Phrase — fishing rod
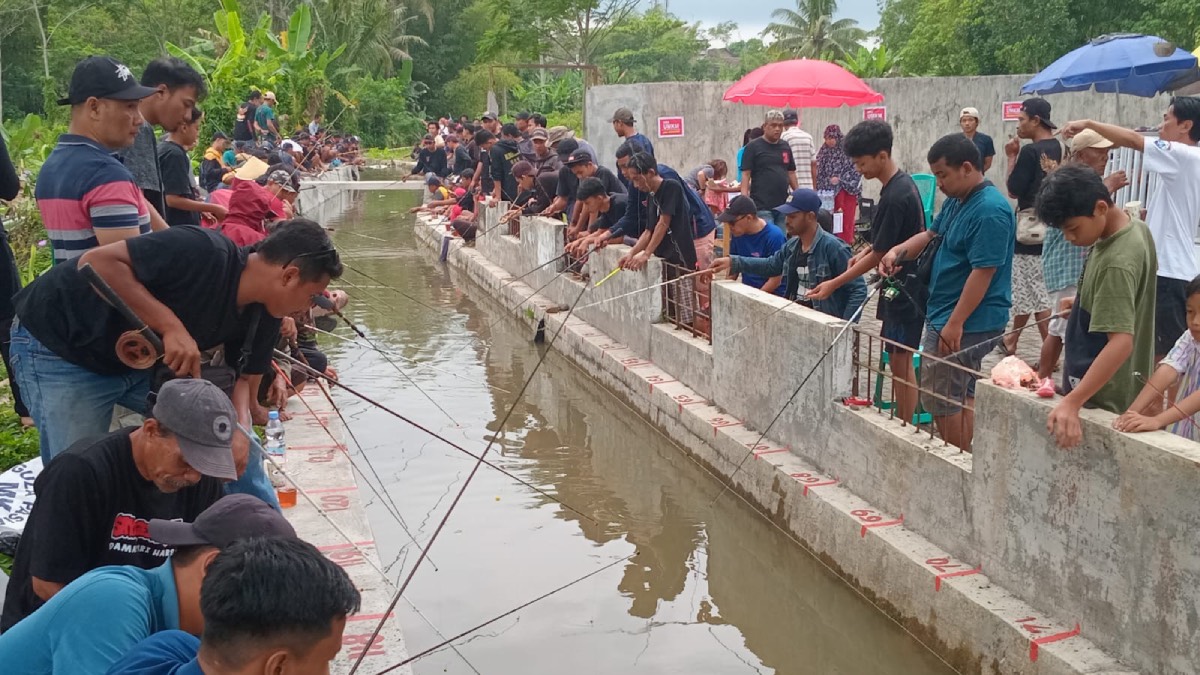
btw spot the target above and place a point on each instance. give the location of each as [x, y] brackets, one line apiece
[434, 434]
[466, 483]
[391, 288]
[449, 641]
[388, 503]
[828, 350]
[333, 308]
[651, 287]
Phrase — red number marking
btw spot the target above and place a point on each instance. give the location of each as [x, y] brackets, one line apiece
[321, 458]
[1030, 624]
[335, 502]
[1033, 644]
[805, 478]
[941, 564]
[866, 515]
[347, 558]
[358, 643]
[870, 520]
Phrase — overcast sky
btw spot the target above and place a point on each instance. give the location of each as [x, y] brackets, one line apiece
[753, 15]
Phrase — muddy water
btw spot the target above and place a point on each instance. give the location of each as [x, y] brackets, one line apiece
[707, 589]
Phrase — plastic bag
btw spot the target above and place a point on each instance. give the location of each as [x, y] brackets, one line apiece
[1013, 373]
[16, 500]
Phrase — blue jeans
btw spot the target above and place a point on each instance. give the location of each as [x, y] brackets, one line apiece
[69, 402]
[773, 216]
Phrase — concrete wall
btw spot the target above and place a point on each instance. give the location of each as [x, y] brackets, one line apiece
[324, 203]
[920, 110]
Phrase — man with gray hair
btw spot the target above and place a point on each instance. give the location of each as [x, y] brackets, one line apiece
[769, 169]
[95, 499]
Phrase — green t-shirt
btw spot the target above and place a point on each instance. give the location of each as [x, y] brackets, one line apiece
[261, 116]
[1116, 295]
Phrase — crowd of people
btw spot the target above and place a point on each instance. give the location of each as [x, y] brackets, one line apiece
[168, 530]
[966, 284]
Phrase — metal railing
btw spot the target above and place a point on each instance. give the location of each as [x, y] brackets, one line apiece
[875, 386]
[685, 301]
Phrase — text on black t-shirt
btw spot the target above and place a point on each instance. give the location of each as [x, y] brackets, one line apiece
[768, 164]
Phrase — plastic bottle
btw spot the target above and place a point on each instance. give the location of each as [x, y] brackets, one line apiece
[276, 449]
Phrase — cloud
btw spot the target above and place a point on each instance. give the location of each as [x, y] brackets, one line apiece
[754, 15]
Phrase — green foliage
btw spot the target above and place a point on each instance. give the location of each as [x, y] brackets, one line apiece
[17, 443]
[560, 93]
[878, 62]
[380, 114]
[29, 144]
[810, 31]
[376, 33]
[656, 47]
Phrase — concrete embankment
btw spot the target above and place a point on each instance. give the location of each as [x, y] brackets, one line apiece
[1019, 559]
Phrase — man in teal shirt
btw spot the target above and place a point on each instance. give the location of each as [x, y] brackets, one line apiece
[264, 118]
[970, 289]
[96, 619]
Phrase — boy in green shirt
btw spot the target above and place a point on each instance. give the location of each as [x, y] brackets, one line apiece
[1110, 333]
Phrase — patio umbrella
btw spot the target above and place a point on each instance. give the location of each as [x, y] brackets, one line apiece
[1143, 65]
[802, 83]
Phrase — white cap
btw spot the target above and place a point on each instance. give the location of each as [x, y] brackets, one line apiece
[969, 112]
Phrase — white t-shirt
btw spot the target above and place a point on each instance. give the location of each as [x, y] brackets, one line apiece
[1173, 209]
[803, 152]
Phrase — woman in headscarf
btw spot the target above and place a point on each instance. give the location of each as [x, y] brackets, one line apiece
[836, 173]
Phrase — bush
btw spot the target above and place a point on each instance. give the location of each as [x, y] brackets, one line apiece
[380, 115]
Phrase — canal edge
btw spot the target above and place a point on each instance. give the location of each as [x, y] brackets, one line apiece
[947, 604]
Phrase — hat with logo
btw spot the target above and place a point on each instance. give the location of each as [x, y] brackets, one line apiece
[803, 201]
[740, 206]
[1089, 139]
[539, 133]
[1039, 108]
[554, 135]
[104, 77]
[203, 420]
[522, 169]
[969, 112]
[624, 116]
[579, 157]
[790, 116]
[489, 115]
[230, 518]
[283, 179]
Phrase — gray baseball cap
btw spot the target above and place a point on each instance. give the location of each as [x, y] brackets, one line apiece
[230, 518]
[283, 179]
[203, 420]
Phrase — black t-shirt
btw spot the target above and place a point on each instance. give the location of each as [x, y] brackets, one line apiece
[432, 161]
[176, 171]
[251, 116]
[241, 127]
[193, 271]
[91, 509]
[899, 215]
[803, 277]
[618, 204]
[677, 246]
[1033, 161]
[529, 201]
[768, 164]
[568, 183]
[504, 154]
[462, 160]
[486, 184]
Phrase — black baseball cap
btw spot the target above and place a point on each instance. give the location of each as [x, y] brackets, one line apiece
[1039, 108]
[230, 518]
[790, 116]
[580, 157]
[739, 207]
[104, 77]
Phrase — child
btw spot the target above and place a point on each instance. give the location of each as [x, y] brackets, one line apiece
[1110, 333]
[1182, 367]
[439, 195]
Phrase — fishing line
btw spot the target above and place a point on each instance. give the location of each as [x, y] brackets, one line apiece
[466, 483]
[828, 350]
[395, 365]
[391, 288]
[389, 504]
[646, 288]
[514, 610]
[452, 444]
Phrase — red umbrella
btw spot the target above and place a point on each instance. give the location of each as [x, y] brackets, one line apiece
[802, 83]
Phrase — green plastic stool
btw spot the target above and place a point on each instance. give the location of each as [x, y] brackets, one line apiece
[919, 415]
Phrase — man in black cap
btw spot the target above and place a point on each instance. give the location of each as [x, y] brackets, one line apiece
[625, 125]
[98, 617]
[544, 159]
[94, 500]
[753, 237]
[603, 210]
[87, 198]
[1027, 166]
[504, 154]
[578, 166]
[430, 160]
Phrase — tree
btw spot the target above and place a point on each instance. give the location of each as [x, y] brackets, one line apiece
[655, 47]
[878, 62]
[377, 33]
[565, 31]
[810, 31]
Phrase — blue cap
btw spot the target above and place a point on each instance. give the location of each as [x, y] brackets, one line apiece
[273, 415]
[803, 200]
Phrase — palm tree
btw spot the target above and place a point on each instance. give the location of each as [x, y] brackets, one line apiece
[878, 62]
[810, 31]
[375, 32]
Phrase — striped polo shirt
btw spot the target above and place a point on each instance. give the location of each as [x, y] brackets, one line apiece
[81, 188]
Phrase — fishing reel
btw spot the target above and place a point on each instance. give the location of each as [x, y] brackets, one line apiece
[137, 350]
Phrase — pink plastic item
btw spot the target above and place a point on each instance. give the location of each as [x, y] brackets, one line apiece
[1013, 373]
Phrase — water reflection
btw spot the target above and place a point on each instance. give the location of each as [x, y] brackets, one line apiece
[709, 590]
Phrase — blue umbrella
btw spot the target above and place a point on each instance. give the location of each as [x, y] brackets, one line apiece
[1123, 63]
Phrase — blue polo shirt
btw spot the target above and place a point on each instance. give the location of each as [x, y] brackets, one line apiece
[762, 244]
[976, 234]
[93, 622]
[171, 652]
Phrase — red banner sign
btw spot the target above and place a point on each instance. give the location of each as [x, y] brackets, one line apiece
[875, 112]
[670, 127]
[1011, 110]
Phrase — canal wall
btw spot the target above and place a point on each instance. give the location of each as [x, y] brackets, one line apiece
[1017, 552]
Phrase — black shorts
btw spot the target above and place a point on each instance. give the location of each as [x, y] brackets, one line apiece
[907, 333]
[1170, 314]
